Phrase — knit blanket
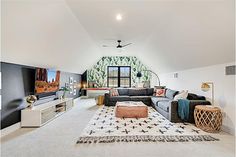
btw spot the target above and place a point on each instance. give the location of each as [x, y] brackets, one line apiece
[183, 109]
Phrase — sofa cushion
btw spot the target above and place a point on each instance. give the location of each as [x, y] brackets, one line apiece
[171, 93]
[157, 99]
[120, 98]
[192, 96]
[123, 91]
[140, 98]
[149, 91]
[164, 105]
[137, 92]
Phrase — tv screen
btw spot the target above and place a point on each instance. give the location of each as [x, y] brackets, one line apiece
[46, 81]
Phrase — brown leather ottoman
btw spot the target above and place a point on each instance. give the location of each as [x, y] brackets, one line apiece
[131, 109]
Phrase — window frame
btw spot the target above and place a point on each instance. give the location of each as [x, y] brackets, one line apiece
[119, 77]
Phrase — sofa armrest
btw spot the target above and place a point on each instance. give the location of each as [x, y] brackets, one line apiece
[173, 110]
[106, 99]
[192, 105]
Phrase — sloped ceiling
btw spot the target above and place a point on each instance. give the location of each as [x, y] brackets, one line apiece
[167, 35]
[45, 33]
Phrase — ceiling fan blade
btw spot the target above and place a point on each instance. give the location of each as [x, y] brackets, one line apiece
[126, 44]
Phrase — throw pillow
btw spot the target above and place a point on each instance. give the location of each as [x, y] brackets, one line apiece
[158, 87]
[171, 93]
[114, 92]
[182, 95]
[160, 92]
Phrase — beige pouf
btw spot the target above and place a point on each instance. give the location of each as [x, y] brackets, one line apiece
[131, 109]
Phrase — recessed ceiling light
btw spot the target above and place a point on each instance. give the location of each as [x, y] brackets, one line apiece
[118, 17]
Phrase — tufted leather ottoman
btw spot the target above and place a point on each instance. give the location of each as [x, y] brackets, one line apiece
[131, 109]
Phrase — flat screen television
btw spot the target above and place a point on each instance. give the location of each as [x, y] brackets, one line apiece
[46, 81]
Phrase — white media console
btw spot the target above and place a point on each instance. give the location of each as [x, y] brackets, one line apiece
[41, 114]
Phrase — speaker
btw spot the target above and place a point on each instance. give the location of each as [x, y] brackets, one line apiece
[230, 70]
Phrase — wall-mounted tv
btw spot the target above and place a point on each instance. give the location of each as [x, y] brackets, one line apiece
[46, 80]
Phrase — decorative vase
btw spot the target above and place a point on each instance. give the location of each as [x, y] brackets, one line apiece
[30, 105]
[31, 99]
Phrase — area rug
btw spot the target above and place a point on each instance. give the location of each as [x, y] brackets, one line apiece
[104, 127]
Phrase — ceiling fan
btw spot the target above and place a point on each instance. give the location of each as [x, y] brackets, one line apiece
[119, 46]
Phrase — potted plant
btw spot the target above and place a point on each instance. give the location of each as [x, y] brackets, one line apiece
[64, 89]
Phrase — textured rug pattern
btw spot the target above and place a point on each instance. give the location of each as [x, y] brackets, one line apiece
[104, 127]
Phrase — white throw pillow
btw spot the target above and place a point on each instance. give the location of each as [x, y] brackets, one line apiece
[182, 95]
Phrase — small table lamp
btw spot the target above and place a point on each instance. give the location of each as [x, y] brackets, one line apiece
[206, 87]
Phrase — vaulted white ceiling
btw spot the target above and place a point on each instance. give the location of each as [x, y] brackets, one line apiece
[167, 35]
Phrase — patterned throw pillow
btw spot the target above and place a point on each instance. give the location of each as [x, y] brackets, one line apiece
[114, 92]
[160, 92]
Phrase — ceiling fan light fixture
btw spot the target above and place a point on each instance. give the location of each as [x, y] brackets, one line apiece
[119, 46]
[118, 17]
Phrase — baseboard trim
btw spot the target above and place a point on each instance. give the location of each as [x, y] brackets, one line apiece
[76, 100]
[228, 130]
[10, 129]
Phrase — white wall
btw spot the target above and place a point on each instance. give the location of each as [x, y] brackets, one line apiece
[45, 33]
[224, 88]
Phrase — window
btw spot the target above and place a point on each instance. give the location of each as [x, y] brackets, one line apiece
[118, 76]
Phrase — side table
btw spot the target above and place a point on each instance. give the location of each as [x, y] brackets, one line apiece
[100, 100]
[208, 118]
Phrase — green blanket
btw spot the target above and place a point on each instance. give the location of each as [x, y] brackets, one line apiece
[183, 109]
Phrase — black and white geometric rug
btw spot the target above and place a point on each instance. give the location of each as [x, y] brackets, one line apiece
[104, 127]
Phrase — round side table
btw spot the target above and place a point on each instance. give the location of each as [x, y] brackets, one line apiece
[208, 118]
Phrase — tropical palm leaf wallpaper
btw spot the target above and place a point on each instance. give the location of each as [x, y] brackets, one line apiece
[98, 73]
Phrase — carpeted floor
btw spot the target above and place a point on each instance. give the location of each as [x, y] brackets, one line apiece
[104, 127]
[58, 138]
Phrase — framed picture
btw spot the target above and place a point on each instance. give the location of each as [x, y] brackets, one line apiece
[71, 89]
[67, 85]
[71, 80]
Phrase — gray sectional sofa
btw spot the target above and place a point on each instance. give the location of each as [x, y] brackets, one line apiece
[130, 94]
[164, 105]
[168, 107]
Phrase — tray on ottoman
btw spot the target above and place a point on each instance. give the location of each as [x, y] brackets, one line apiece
[131, 109]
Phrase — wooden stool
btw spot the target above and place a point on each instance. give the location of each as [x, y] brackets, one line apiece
[208, 118]
[100, 100]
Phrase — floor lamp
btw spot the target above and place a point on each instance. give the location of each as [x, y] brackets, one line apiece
[139, 75]
[206, 87]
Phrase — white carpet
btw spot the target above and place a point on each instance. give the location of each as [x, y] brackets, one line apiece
[58, 138]
[104, 127]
